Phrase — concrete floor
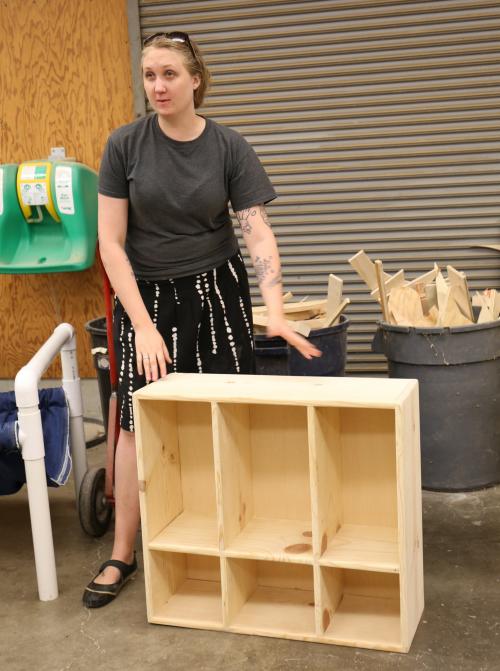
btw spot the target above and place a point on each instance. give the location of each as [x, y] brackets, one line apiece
[460, 628]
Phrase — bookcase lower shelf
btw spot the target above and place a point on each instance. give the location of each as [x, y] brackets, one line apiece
[277, 509]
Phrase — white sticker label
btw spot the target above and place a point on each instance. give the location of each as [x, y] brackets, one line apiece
[34, 193]
[27, 172]
[1, 191]
[64, 189]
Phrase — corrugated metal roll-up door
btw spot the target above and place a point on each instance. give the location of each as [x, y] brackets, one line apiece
[378, 123]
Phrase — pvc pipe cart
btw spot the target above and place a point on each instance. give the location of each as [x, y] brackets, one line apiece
[62, 341]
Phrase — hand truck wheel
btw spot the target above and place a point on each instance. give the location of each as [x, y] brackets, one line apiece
[94, 509]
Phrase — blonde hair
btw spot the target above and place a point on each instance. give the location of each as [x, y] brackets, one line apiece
[194, 62]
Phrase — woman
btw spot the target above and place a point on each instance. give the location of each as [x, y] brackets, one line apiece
[169, 249]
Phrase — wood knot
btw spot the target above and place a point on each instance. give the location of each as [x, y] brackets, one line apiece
[307, 534]
[326, 619]
[298, 548]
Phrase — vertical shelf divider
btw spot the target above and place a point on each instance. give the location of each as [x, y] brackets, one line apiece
[326, 475]
[217, 430]
[232, 452]
[410, 540]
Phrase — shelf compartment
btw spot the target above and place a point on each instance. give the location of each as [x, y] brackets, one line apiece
[289, 540]
[360, 608]
[354, 475]
[189, 532]
[177, 476]
[363, 547]
[270, 598]
[187, 590]
[263, 458]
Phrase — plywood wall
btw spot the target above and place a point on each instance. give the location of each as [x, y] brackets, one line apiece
[65, 81]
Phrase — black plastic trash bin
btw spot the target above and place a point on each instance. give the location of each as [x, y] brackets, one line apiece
[458, 370]
[273, 356]
[97, 330]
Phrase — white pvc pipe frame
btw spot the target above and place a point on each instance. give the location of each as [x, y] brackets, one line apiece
[63, 340]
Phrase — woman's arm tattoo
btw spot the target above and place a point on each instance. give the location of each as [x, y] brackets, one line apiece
[243, 217]
[264, 216]
[263, 270]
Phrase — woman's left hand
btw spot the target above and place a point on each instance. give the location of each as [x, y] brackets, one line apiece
[279, 327]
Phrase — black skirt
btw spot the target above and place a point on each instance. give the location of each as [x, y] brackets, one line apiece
[205, 320]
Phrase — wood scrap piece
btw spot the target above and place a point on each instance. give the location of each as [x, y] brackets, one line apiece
[397, 280]
[316, 323]
[316, 306]
[334, 296]
[486, 315]
[426, 278]
[461, 295]
[300, 327]
[379, 273]
[431, 296]
[488, 299]
[453, 316]
[442, 294]
[430, 320]
[405, 305]
[493, 301]
[332, 317]
[287, 297]
[365, 268]
[489, 302]
[496, 305]
[477, 300]
[260, 321]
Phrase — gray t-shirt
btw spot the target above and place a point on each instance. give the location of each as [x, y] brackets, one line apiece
[178, 192]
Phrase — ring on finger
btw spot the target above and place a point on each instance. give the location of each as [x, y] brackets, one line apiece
[145, 356]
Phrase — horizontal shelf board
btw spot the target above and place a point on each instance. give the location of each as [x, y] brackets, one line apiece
[198, 603]
[363, 548]
[274, 540]
[282, 612]
[189, 532]
[367, 622]
[279, 390]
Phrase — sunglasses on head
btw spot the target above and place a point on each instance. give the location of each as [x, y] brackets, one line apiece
[175, 36]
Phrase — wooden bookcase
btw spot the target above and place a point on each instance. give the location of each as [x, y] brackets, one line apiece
[283, 506]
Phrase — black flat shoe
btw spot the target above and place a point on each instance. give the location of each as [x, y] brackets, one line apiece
[97, 595]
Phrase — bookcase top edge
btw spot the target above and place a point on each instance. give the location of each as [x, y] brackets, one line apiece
[283, 390]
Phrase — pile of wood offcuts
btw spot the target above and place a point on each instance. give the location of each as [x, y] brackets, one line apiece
[431, 300]
[305, 316]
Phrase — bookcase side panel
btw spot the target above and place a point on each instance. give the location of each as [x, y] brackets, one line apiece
[158, 465]
[164, 576]
[326, 475]
[233, 468]
[410, 516]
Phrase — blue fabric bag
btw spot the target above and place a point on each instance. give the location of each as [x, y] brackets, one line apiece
[55, 426]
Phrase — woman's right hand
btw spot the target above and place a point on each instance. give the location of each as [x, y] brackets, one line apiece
[151, 353]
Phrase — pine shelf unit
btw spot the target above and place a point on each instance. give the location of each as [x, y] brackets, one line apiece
[283, 506]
